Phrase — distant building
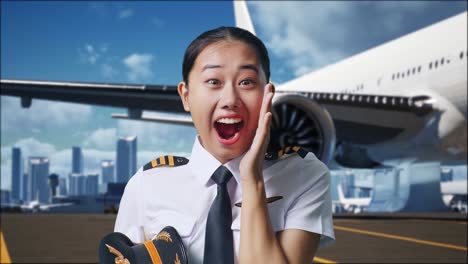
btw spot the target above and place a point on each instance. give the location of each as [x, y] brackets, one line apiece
[38, 184]
[77, 186]
[62, 189]
[91, 188]
[16, 175]
[77, 160]
[5, 197]
[107, 171]
[348, 183]
[24, 190]
[126, 158]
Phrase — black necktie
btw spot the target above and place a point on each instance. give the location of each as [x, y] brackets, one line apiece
[219, 245]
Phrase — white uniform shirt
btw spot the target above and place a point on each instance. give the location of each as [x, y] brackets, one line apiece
[182, 196]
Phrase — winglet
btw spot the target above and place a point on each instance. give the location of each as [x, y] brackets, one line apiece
[242, 16]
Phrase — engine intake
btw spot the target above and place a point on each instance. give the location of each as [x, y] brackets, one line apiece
[300, 121]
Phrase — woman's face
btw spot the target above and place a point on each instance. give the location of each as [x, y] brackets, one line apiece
[224, 96]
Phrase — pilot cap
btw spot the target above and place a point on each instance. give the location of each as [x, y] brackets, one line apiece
[166, 247]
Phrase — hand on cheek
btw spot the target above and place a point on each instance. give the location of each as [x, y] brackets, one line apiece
[252, 163]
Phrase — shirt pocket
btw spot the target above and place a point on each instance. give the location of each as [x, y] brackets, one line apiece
[276, 212]
[182, 223]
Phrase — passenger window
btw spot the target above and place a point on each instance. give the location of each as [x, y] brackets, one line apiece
[461, 55]
[435, 64]
[414, 70]
[419, 69]
[430, 65]
[398, 75]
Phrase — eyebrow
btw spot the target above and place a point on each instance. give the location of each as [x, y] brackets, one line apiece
[210, 66]
[245, 66]
[249, 67]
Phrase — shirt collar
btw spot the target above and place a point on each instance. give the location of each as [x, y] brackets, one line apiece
[203, 164]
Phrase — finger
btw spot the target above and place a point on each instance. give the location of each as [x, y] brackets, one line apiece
[271, 95]
[266, 103]
[262, 134]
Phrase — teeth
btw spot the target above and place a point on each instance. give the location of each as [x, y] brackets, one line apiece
[229, 120]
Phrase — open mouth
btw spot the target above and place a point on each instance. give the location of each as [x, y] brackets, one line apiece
[228, 128]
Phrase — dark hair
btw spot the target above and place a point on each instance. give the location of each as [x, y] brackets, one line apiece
[219, 34]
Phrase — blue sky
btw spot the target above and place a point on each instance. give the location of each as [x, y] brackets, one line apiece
[144, 42]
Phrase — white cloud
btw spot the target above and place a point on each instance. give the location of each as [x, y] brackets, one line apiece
[162, 137]
[313, 34]
[89, 54]
[42, 115]
[103, 138]
[108, 71]
[126, 13]
[299, 31]
[139, 66]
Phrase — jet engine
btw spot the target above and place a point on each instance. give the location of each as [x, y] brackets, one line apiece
[300, 121]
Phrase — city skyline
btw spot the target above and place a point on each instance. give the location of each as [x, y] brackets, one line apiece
[78, 180]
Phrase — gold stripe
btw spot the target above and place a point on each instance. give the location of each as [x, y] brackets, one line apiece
[5, 256]
[322, 260]
[280, 153]
[409, 239]
[162, 160]
[287, 149]
[171, 160]
[153, 163]
[155, 258]
[295, 148]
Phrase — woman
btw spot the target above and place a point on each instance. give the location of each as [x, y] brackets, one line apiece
[260, 211]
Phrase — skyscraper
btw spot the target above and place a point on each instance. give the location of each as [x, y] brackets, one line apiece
[17, 175]
[62, 187]
[107, 171]
[126, 158]
[92, 184]
[38, 186]
[77, 160]
[24, 189]
[77, 184]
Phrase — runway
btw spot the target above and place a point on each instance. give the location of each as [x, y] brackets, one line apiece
[370, 238]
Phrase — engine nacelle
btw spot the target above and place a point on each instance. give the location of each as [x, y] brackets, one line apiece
[300, 121]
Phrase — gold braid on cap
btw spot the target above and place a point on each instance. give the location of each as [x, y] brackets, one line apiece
[120, 259]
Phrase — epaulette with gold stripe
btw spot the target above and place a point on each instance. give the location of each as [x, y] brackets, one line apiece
[274, 155]
[168, 160]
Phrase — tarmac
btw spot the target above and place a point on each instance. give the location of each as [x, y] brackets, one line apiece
[364, 238]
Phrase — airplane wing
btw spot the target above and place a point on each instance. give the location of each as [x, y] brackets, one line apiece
[378, 118]
[136, 98]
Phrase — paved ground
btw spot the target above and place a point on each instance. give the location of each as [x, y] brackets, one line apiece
[391, 238]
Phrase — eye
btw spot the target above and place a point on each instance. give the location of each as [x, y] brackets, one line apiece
[246, 83]
[213, 82]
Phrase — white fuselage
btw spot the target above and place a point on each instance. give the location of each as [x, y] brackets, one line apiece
[405, 66]
[429, 62]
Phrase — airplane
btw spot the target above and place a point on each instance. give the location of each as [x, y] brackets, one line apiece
[402, 101]
[354, 205]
